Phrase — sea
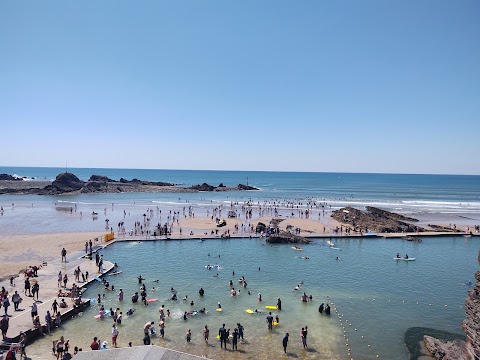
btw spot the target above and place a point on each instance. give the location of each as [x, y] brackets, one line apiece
[374, 298]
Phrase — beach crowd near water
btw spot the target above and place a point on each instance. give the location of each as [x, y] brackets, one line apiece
[304, 217]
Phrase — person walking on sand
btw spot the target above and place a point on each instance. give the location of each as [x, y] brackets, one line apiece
[16, 300]
[59, 279]
[4, 323]
[6, 304]
[64, 255]
[27, 287]
[285, 342]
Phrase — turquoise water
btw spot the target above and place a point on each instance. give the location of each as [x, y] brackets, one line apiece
[375, 294]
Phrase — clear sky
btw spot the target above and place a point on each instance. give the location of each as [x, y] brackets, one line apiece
[355, 86]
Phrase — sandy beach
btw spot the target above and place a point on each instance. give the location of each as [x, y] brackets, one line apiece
[21, 251]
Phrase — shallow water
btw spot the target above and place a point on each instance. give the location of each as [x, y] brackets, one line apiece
[375, 294]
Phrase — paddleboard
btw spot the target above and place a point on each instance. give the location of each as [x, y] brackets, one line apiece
[250, 311]
[409, 259]
[116, 273]
[97, 278]
[272, 307]
[219, 309]
[152, 300]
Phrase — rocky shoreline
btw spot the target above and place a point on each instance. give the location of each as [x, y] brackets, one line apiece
[459, 349]
[67, 183]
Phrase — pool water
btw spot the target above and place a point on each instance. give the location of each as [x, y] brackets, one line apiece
[377, 297]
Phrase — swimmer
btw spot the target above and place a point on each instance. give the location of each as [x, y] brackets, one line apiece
[219, 306]
[130, 312]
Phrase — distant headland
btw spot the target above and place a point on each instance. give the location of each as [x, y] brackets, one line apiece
[69, 184]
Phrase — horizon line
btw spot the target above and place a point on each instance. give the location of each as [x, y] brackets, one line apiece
[270, 171]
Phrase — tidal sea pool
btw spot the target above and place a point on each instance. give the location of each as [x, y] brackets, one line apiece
[374, 298]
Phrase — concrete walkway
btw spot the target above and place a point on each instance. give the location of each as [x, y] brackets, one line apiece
[21, 321]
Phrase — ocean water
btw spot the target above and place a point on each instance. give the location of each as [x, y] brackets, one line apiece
[445, 199]
[377, 297]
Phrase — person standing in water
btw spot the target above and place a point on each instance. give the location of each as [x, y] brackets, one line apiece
[270, 321]
[206, 333]
[285, 342]
[235, 339]
[222, 332]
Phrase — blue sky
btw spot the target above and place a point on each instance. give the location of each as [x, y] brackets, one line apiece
[355, 86]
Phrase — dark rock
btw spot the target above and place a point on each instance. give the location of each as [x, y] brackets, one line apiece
[415, 336]
[221, 185]
[441, 349]
[141, 182]
[375, 219]
[94, 187]
[203, 187]
[261, 227]
[63, 183]
[443, 228]
[100, 178]
[9, 177]
[284, 237]
[245, 187]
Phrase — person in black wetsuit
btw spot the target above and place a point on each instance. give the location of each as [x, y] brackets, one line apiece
[235, 339]
[222, 332]
[327, 309]
[279, 304]
[201, 292]
[320, 308]
[285, 343]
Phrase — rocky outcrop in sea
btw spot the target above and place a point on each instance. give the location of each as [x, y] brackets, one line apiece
[375, 219]
[221, 187]
[285, 237]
